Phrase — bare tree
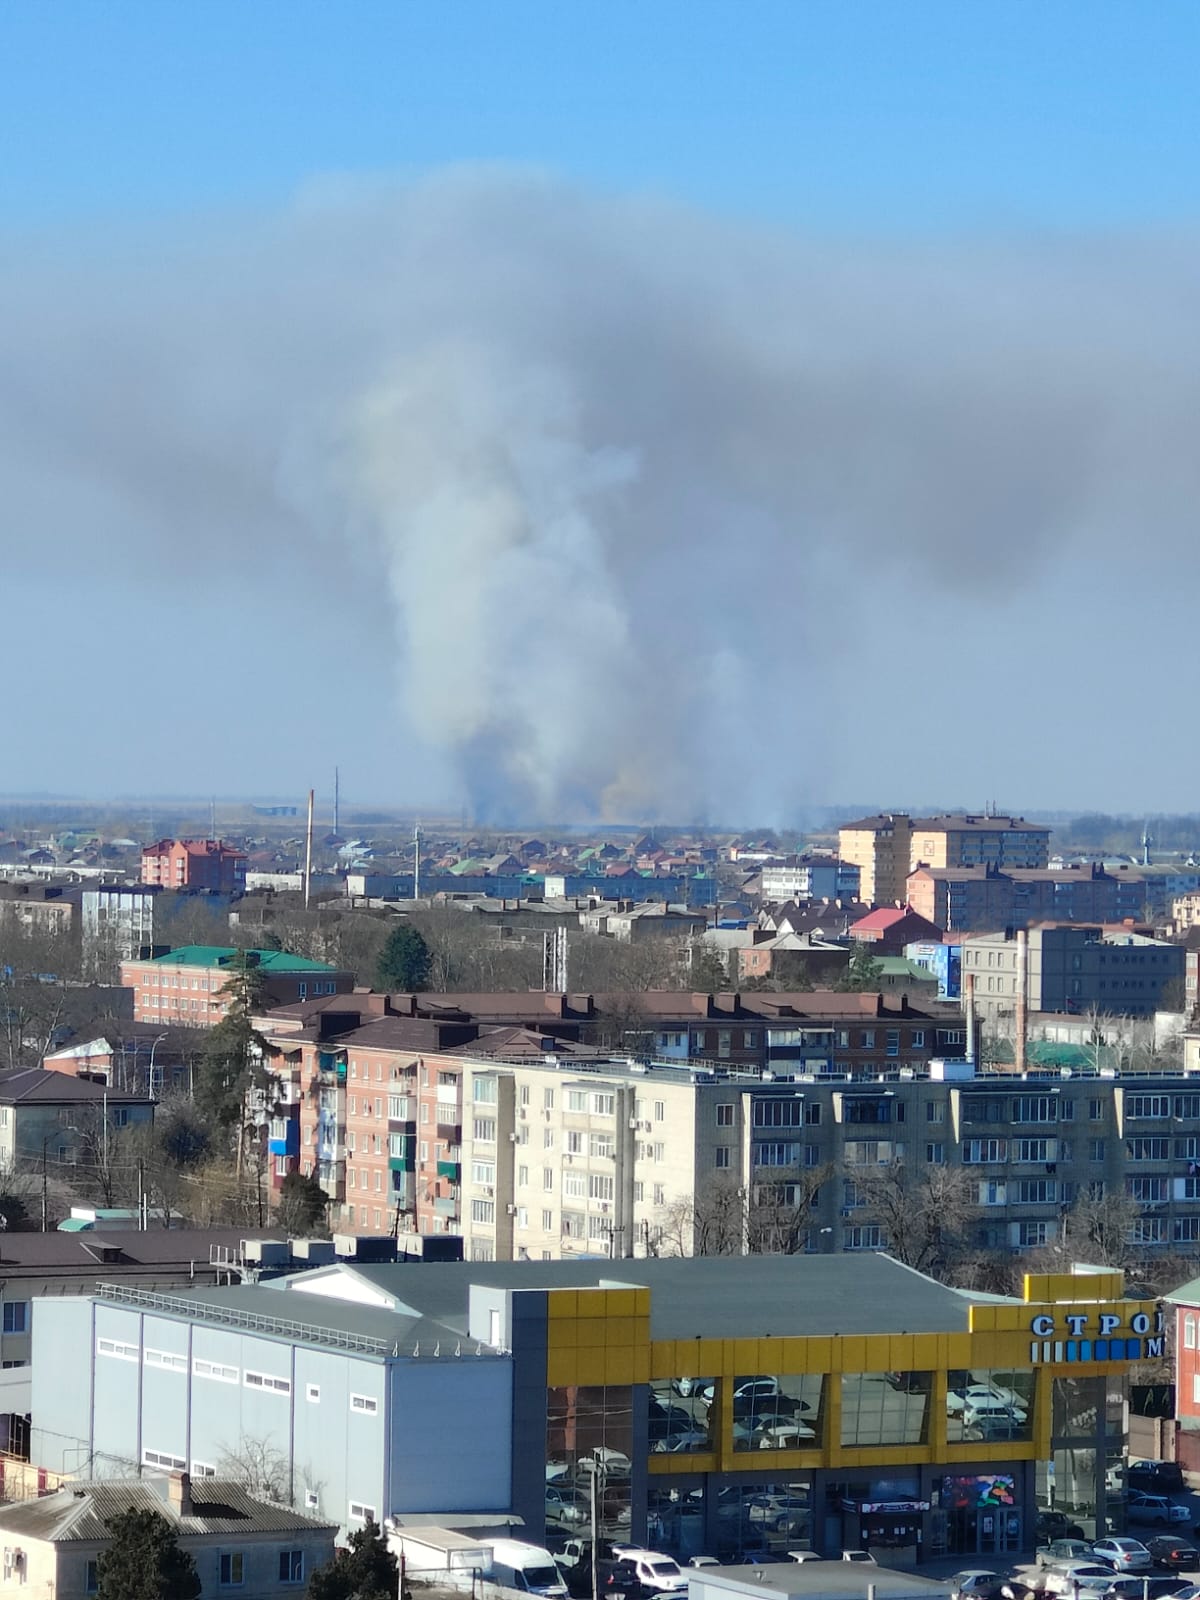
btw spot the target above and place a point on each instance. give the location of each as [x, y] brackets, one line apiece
[260, 1468]
[723, 1218]
[1101, 1228]
[928, 1213]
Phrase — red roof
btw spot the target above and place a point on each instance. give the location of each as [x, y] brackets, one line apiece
[879, 921]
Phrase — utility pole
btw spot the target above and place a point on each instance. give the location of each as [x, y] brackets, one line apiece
[337, 797]
[416, 861]
[308, 838]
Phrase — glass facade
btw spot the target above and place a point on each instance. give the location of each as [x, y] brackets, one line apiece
[777, 1413]
[733, 1521]
[984, 1405]
[885, 1407]
[683, 1415]
[589, 1439]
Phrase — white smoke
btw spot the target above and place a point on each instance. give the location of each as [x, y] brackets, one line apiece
[644, 490]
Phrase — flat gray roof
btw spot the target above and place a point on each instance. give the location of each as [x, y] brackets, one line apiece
[711, 1297]
[816, 1580]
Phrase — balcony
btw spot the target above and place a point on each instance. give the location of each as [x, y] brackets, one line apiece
[446, 1206]
[450, 1169]
[331, 1175]
[331, 1067]
[449, 1131]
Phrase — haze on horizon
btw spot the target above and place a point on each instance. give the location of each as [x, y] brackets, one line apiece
[491, 472]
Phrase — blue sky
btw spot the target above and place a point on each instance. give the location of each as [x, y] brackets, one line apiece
[936, 400]
[896, 114]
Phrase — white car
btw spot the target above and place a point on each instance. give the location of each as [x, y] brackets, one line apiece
[980, 1394]
[864, 1556]
[803, 1555]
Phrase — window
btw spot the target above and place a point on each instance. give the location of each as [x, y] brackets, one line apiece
[1187, 1107]
[602, 1105]
[548, 1180]
[865, 1236]
[364, 1404]
[117, 1349]
[232, 1569]
[1142, 1106]
[361, 1513]
[1036, 1192]
[1033, 1150]
[485, 1130]
[165, 1358]
[600, 1144]
[312, 1393]
[483, 1172]
[777, 1113]
[523, 1095]
[547, 1221]
[935, 1111]
[725, 1116]
[982, 1151]
[775, 1155]
[522, 1177]
[1095, 1149]
[164, 1458]
[577, 1100]
[1150, 1191]
[1147, 1149]
[312, 1500]
[484, 1092]
[1030, 1234]
[660, 1195]
[935, 1154]
[1035, 1108]
[1095, 1110]
[16, 1316]
[548, 1099]
[600, 1186]
[483, 1211]
[575, 1185]
[91, 1581]
[264, 1380]
[1196, 1387]
[203, 1469]
[724, 1156]
[660, 1111]
[291, 1566]
[1185, 1230]
[893, 1042]
[547, 1138]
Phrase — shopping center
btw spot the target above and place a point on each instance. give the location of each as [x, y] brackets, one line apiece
[724, 1406]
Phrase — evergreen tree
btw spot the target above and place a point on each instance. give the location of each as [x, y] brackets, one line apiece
[302, 1204]
[862, 970]
[144, 1561]
[367, 1570]
[234, 1050]
[403, 962]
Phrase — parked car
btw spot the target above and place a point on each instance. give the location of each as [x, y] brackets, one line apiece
[990, 1407]
[1133, 1588]
[1056, 1525]
[864, 1556]
[1174, 1553]
[1060, 1550]
[961, 1396]
[1155, 1477]
[1006, 1424]
[703, 1561]
[803, 1555]
[1076, 1578]
[651, 1572]
[566, 1505]
[1123, 1555]
[1155, 1508]
[967, 1585]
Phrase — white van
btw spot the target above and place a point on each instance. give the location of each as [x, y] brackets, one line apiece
[526, 1566]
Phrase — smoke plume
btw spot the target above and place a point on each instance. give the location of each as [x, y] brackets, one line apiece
[670, 513]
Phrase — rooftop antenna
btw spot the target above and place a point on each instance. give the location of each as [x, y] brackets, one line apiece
[308, 833]
[416, 860]
[1147, 841]
[337, 797]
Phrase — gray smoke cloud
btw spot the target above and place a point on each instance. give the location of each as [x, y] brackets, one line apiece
[649, 498]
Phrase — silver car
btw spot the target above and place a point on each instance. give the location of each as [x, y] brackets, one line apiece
[1123, 1555]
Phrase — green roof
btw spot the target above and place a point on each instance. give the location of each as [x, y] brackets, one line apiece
[75, 1225]
[902, 967]
[217, 955]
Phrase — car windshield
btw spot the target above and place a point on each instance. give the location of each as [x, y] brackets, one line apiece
[543, 1577]
[665, 1569]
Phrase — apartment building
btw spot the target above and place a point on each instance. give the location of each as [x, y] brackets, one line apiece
[881, 848]
[811, 878]
[974, 899]
[529, 1141]
[187, 987]
[1073, 969]
[963, 840]
[195, 864]
[117, 922]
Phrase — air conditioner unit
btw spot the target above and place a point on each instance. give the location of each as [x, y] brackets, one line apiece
[512, 1210]
[646, 1127]
[512, 1138]
[489, 1190]
[634, 1123]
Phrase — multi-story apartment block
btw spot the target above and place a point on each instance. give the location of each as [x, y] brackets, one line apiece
[195, 864]
[415, 1114]
[881, 848]
[972, 841]
[1073, 968]
[187, 987]
[811, 878]
[534, 1149]
[976, 899]
[117, 922]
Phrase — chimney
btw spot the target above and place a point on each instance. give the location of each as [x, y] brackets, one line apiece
[179, 1493]
[1022, 1000]
[969, 986]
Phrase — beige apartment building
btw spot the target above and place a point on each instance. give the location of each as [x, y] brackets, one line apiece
[963, 840]
[880, 847]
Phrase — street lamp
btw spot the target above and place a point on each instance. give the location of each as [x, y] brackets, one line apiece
[150, 1074]
[53, 1134]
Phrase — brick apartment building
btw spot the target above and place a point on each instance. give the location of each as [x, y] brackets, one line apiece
[888, 847]
[968, 899]
[376, 1095]
[184, 987]
[195, 864]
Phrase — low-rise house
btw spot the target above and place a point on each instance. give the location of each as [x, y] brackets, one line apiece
[263, 1551]
[887, 930]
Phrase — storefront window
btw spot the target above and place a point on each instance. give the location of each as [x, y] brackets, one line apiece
[777, 1413]
[1087, 1419]
[683, 1414]
[885, 1407]
[978, 1513]
[589, 1438]
[989, 1405]
[762, 1518]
